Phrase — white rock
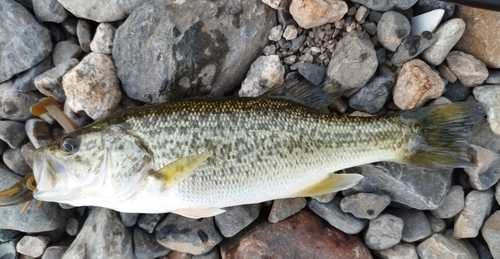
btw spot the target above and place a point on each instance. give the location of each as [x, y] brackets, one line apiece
[447, 35]
[290, 32]
[275, 33]
[32, 245]
[265, 73]
[426, 21]
[275, 4]
[103, 39]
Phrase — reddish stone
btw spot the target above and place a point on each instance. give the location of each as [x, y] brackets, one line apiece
[303, 235]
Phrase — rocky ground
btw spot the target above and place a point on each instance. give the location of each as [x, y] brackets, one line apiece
[95, 57]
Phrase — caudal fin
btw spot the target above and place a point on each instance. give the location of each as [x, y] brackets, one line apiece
[443, 131]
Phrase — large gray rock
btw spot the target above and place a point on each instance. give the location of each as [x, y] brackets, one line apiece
[417, 187]
[24, 41]
[166, 51]
[49, 11]
[99, 10]
[15, 105]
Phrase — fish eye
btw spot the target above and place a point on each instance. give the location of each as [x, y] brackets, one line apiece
[69, 145]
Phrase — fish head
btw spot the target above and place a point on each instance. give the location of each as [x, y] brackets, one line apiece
[89, 164]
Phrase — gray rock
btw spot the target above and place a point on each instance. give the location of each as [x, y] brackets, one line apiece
[416, 225]
[383, 232]
[83, 32]
[468, 69]
[12, 133]
[8, 250]
[437, 225]
[24, 41]
[353, 63]
[385, 5]
[38, 132]
[14, 160]
[297, 43]
[412, 46]
[64, 51]
[95, 74]
[73, 226]
[101, 11]
[324, 198]
[477, 208]
[265, 73]
[269, 50]
[365, 205]
[332, 213]
[463, 244]
[236, 218]
[54, 252]
[313, 73]
[447, 74]
[70, 25]
[483, 136]
[447, 35]
[15, 105]
[392, 29]
[25, 82]
[417, 187]
[486, 170]
[103, 39]
[424, 6]
[490, 95]
[381, 56]
[370, 28]
[49, 11]
[102, 236]
[452, 204]
[372, 97]
[482, 250]
[493, 77]
[491, 234]
[50, 82]
[284, 208]
[146, 246]
[439, 246]
[275, 33]
[456, 92]
[7, 235]
[399, 251]
[168, 51]
[32, 245]
[36, 219]
[188, 235]
[129, 219]
[149, 222]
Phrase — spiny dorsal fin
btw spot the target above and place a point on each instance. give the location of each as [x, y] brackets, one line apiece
[181, 168]
[332, 183]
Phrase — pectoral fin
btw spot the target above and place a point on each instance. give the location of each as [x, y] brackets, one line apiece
[181, 168]
[333, 183]
[196, 213]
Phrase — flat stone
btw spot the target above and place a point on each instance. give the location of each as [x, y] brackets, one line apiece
[353, 63]
[166, 51]
[25, 81]
[383, 232]
[447, 35]
[32, 245]
[456, 92]
[392, 28]
[93, 86]
[102, 228]
[24, 41]
[490, 95]
[15, 105]
[54, 252]
[417, 187]
[188, 235]
[412, 46]
[8, 250]
[477, 208]
[416, 226]
[103, 39]
[439, 246]
[12, 133]
[83, 32]
[146, 246]
[14, 160]
[365, 205]
[468, 69]
[416, 84]
[285, 239]
[284, 208]
[480, 36]
[236, 218]
[486, 170]
[101, 11]
[129, 219]
[265, 73]
[49, 11]
[372, 97]
[50, 82]
[452, 204]
[332, 213]
[386, 5]
[66, 50]
[149, 222]
[491, 233]
[399, 251]
[314, 13]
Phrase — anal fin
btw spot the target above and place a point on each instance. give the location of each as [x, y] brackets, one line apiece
[333, 183]
[196, 213]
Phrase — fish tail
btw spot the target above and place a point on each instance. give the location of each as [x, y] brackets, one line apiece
[442, 133]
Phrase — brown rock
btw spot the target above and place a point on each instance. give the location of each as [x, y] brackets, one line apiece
[416, 84]
[481, 34]
[300, 236]
[313, 13]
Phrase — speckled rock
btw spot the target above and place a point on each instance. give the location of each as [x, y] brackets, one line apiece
[416, 84]
[384, 232]
[12, 133]
[386, 5]
[15, 105]
[24, 81]
[146, 246]
[103, 39]
[399, 251]
[50, 82]
[32, 245]
[265, 73]
[412, 46]
[314, 13]
[439, 246]
[332, 213]
[236, 218]
[416, 226]
[372, 97]
[486, 171]
[490, 95]
[284, 208]
[477, 208]
[491, 233]
[468, 69]
[447, 35]
[168, 51]
[285, 239]
[24, 41]
[101, 11]
[64, 51]
[392, 28]
[49, 11]
[14, 160]
[92, 86]
[365, 205]
[452, 204]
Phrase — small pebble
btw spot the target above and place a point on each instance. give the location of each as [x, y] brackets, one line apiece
[416, 225]
[439, 246]
[361, 14]
[486, 170]
[386, 5]
[365, 205]
[399, 251]
[297, 43]
[50, 82]
[372, 97]
[275, 33]
[477, 208]
[392, 29]
[149, 222]
[383, 232]
[290, 32]
[290, 60]
[269, 50]
[468, 69]
[236, 218]
[490, 95]
[84, 35]
[332, 213]
[64, 51]
[265, 73]
[491, 233]
[103, 39]
[32, 245]
[437, 225]
[445, 72]
[314, 13]
[325, 198]
[313, 73]
[412, 46]
[452, 204]
[54, 252]
[129, 219]
[447, 35]
[284, 208]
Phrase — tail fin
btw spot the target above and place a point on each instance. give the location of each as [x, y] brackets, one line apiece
[442, 134]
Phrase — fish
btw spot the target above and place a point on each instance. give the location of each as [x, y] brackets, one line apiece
[196, 156]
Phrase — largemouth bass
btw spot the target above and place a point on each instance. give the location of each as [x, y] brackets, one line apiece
[194, 157]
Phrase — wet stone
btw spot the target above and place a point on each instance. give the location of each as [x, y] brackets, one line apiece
[265, 73]
[447, 35]
[149, 222]
[490, 95]
[392, 28]
[468, 69]
[32, 245]
[456, 92]
[399, 251]
[365, 205]
[372, 97]
[491, 233]
[14, 160]
[236, 218]
[284, 208]
[332, 213]
[25, 81]
[439, 246]
[146, 246]
[15, 105]
[38, 132]
[50, 82]
[103, 39]
[452, 204]
[49, 11]
[84, 34]
[412, 46]
[54, 252]
[64, 51]
[486, 171]
[129, 219]
[188, 235]
[477, 208]
[384, 232]
[416, 226]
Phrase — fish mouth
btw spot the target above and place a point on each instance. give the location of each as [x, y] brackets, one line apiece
[49, 175]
